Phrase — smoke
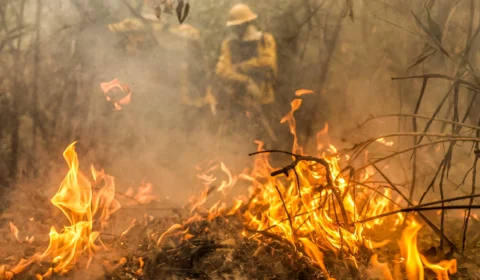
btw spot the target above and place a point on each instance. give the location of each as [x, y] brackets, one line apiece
[158, 139]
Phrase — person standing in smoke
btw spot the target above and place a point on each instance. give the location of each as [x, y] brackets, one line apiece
[195, 93]
[247, 71]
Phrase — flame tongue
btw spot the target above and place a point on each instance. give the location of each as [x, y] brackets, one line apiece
[74, 198]
[414, 261]
[408, 247]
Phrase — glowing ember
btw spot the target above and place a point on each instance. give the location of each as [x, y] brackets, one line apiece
[385, 142]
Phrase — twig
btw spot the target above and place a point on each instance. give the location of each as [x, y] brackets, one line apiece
[464, 178]
[474, 181]
[367, 203]
[298, 158]
[378, 192]
[311, 14]
[461, 82]
[286, 211]
[270, 235]
[451, 207]
[324, 73]
[432, 183]
[442, 217]
[414, 123]
[418, 117]
[363, 145]
[421, 206]
[466, 139]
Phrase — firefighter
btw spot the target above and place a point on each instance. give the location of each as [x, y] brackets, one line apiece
[247, 70]
[136, 35]
[195, 92]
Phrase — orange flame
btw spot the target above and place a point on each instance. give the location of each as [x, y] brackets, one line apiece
[296, 103]
[77, 201]
[14, 231]
[409, 251]
[312, 251]
[313, 207]
[441, 269]
[301, 92]
[414, 261]
[380, 270]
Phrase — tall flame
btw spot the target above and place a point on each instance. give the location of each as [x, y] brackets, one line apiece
[409, 251]
[76, 199]
[414, 261]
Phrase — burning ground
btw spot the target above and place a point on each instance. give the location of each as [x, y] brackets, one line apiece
[316, 218]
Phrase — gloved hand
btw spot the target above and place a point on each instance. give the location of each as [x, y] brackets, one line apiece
[253, 89]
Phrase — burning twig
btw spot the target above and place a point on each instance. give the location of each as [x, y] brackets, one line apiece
[286, 211]
[324, 163]
[291, 166]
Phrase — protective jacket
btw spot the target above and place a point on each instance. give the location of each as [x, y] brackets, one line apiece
[242, 62]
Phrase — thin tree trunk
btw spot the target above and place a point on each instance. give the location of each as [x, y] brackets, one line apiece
[34, 105]
[17, 98]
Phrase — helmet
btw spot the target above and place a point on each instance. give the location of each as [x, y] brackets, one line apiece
[240, 14]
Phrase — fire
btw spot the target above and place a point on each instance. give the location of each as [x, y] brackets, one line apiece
[441, 269]
[385, 142]
[409, 251]
[414, 261]
[314, 207]
[311, 205]
[76, 199]
[378, 270]
[296, 103]
[14, 231]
